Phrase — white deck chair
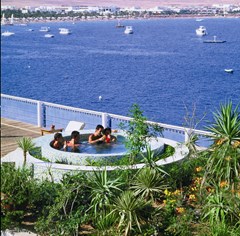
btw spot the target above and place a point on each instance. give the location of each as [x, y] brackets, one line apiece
[74, 125]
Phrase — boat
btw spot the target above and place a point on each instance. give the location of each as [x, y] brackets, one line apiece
[7, 33]
[201, 31]
[64, 31]
[119, 25]
[48, 35]
[199, 20]
[229, 70]
[128, 30]
[4, 22]
[11, 20]
[214, 40]
[44, 29]
[30, 29]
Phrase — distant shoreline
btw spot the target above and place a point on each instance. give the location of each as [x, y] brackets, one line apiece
[19, 21]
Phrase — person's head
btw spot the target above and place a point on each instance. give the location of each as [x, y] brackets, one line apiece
[58, 137]
[75, 135]
[99, 129]
[107, 131]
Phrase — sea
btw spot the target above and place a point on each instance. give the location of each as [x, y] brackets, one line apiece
[164, 67]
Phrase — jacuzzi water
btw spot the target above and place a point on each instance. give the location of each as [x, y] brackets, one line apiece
[87, 152]
[103, 148]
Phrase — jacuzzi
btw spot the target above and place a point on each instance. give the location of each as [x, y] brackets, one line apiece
[90, 152]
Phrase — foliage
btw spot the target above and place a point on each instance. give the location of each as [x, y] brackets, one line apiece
[102, 190]
[223, 164]
[132, 212]
[105, 223]
[17, 187]
[26, 144]
[150, 158]
[65, 216]
[191, 123]
[199, 196]
[221, 206]
[148, 183]
[138, 131]
[182, 173]
[180, 225]
[227, 124]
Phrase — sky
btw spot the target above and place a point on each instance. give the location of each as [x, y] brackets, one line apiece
[120, 3]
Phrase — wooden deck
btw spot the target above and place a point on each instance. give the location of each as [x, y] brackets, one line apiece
[12, 130]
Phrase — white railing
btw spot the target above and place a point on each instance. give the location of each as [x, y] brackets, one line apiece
[45, 113]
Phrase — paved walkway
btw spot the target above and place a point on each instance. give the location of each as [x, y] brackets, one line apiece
[12, 130]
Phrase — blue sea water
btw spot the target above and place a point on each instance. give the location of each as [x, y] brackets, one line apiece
[163, 67]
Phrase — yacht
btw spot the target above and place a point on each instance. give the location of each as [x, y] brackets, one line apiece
[44, 29]
[48, 35]
[7, 33]
[128, 30]
[64, 31]
[201, 31]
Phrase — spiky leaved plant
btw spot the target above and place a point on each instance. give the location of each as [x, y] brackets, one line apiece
[226, 126]
[149, 183]
[223, 162]
[103, 189]
[26, 144]
[131, 212]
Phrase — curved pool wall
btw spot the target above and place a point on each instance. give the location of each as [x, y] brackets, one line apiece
[83, 158]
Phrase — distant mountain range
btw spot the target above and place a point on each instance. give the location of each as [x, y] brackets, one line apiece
[120, 3]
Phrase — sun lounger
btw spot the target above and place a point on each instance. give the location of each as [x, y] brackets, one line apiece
[74, 125]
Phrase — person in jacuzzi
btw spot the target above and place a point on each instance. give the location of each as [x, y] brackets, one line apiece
[74, 143]
[108, 137]
[97, 136]
[57, 142]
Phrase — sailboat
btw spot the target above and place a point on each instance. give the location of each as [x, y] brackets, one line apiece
[11, 20]
[119, 25]
[3, 20]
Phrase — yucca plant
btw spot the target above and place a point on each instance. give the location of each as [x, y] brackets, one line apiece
[223, 165]
[221, 206]
[102, 190]
[26, 144]
[148, 183]
[226, 128]
[131, 211]
[149, 160]
[105, 222]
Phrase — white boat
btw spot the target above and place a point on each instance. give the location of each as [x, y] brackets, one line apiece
[48, 35]
[128, 30]
[199, 20]
[44, 29]
[119, 25]
[229, 70]
[11, 20]
[201, 31]
[64, 31]
[7, 33]
[3, 20]
[30, 29]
